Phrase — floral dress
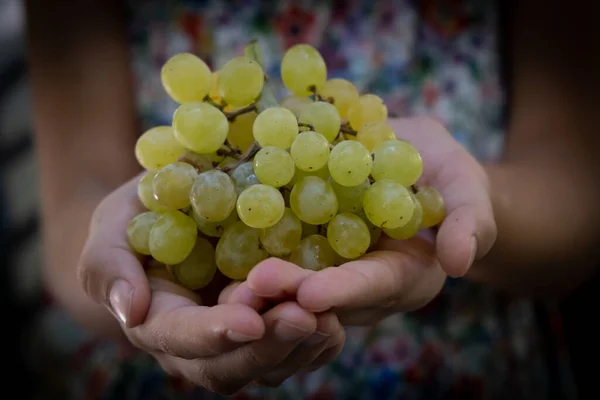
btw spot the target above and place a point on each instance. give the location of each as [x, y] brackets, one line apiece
[433, 57]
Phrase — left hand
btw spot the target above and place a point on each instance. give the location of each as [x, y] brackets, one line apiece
[399, 276]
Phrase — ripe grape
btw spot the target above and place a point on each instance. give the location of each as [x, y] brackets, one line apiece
[314, 252]
[281, 238]
[275, 126]
[200, 127]
[201, 162]
[342, 92]
[186, 78]
[303, 68]
[324, 117]
[412, 227]
[145, 191]
[138, 231]
[295, 104]
[274, 166]
[397, 160]
[238, 251]
[368, 109]
[160, 272]
[158, 147]
[350, 198]
[375, 231]
[244, 177]
[240, 81]
[313, 200]
[434, 209]
[213, 93]
[322, 173]
[260, 206]
[350, 163]
[348, 235]
[214, 229]
[199, 267]
[375, 132]
[172, 237]
[310, 151]
[213, 195]
[388, 204]
[240, 131]
[173, 183]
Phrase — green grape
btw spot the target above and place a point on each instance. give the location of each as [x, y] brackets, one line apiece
[281, 238]
[213, 195]
[314, 252]
[375, 132]
[397, 160]
[412, 227]
[172, 237]
[199, 267]
[239, 250]
[348, 235]
[322, 173]
[200, 127]
[240, 81]
[342, 92]
[275, 126]
[240, 131]
[310, 151]
[368, 109]
[186, 78]
[375, 231]
[260, 206]
[228, 161]
[138, 231]
[295, 104]
[201, 162]
[274, 166]
[350, 163]
[388, 204]
[158, 147]
[173, 183]
[214, 229]
[145, 191]
[213, 93]
[323, 117]
[308, 229]
[434, 209]
[313, 200]
[350, 198]
[303, 68]
[244, 177]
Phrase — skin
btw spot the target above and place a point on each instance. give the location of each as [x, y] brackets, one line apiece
[533, 215]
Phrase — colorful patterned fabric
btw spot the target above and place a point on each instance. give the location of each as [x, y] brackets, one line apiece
[433, 57]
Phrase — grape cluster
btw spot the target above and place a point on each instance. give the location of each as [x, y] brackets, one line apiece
[238, 177]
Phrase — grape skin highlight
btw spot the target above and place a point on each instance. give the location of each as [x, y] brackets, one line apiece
[314, 252]
[281, 238]
[199, 267]
[172, 237]
[260, 206]
[434, 209]
[274, 166]
[186, 78]
[368, 109]
[244, 177]
[276, 126]
[200, 127]
[348, 235]
[412, 227]
[240, 81]
[213, 195]
[313, 200]
[172, 185]
[388, 204]
[310, 151]
[138, 231]
[397, 160]
[238, 251]
[323, 117]
[145, 191]
[158, 147]
[302, 67]
[350, 163]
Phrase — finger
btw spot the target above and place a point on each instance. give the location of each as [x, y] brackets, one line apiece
[108, 270]
[276, 279]
[330, 353]
[239, 293]
[402, 276]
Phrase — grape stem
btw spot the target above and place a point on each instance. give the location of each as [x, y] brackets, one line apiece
[231, 116]
[305, 125]
[414, 189]
[247, 156]
[213, 103]
[318, 97]
[229, 151]
[346, 129]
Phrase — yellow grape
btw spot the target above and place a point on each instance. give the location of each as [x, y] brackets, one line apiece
[375, 132]
[314, 252]
[202, 162]
[260, 206]
[313, 200]
[295, 104]
[375, 231]
[368, 109]
[275, 126]
[200, 127]
[173, 183]
[348, 235]
[350, 163]
[240, 131]
[213, 195]
[322, 173]
[303, 68]
[145, 193]
[350, 198]
[244, 177]
[186, 78]
[343, 93]
[310, 151]
[397, 160]
[434, 209]
[214, 229]
[138, 231]
[388, 204]
[158, 147]
[324, 117]
[281, 238]
[238, 251]
[240, 81]
[199, 267]
[274, 166]
[172, 237]
[213, 93]
[412, 227]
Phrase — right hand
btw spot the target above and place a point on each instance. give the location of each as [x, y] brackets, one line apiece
[224, 347]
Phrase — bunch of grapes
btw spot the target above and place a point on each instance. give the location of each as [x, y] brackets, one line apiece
[239, 177]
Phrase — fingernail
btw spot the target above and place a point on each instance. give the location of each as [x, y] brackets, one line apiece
[240, 337]
[473, 245]
[316, 338]
[120, 299]
[287, 332]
